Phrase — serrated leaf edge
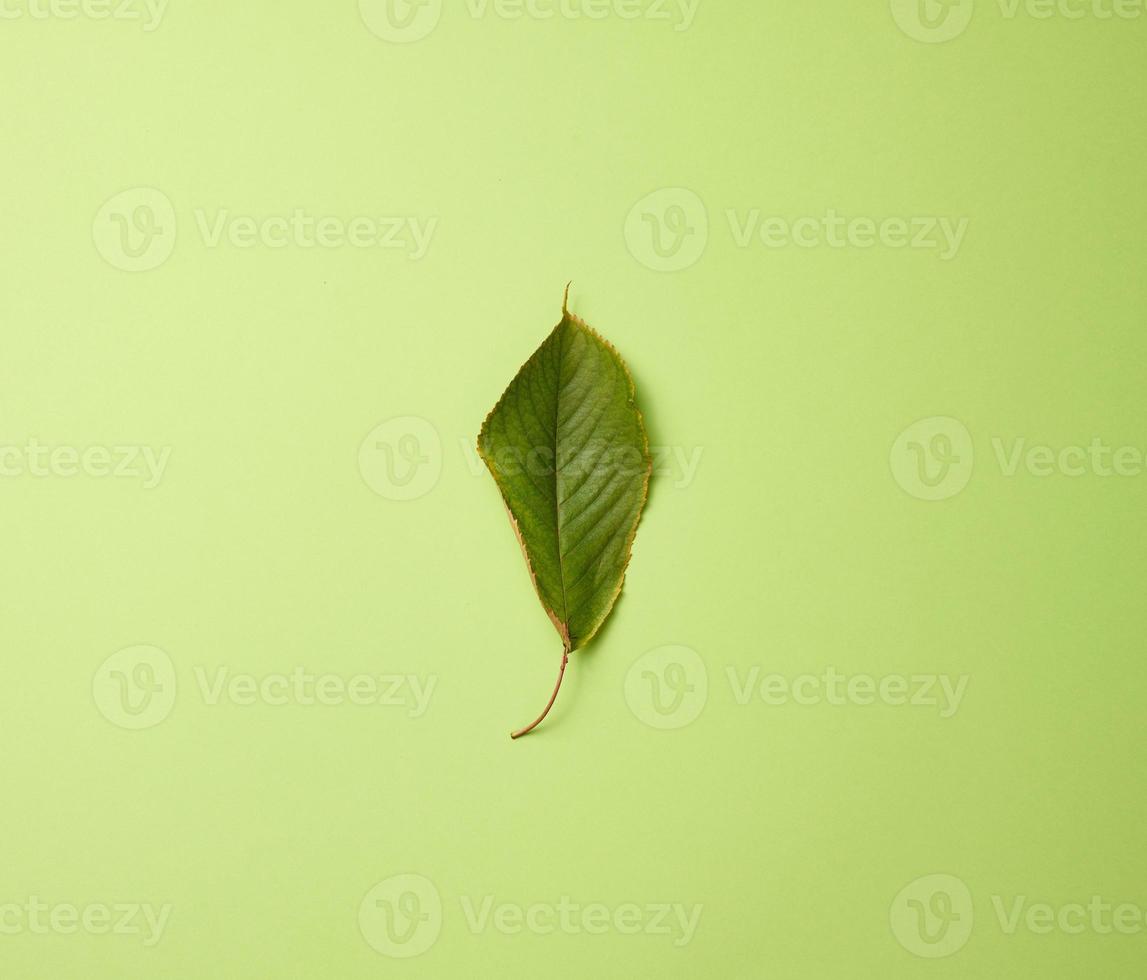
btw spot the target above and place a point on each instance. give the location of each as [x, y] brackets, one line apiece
[562, 627]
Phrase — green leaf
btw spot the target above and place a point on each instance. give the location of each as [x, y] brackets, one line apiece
[567, 447]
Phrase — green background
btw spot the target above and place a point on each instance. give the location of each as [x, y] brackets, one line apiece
[793, 548]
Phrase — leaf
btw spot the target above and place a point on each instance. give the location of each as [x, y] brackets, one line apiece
[567, 447]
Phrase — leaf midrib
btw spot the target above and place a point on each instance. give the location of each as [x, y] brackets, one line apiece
[557, 498]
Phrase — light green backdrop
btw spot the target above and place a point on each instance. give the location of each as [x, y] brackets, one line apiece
[864, 261]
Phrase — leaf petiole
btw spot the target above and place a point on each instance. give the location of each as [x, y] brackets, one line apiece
[553, 697]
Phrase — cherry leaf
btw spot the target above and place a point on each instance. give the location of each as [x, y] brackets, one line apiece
[567, 447]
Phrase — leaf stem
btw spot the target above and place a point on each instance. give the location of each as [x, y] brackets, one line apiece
[553, 697]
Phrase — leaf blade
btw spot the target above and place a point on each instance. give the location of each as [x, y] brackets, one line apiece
[567, 447]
